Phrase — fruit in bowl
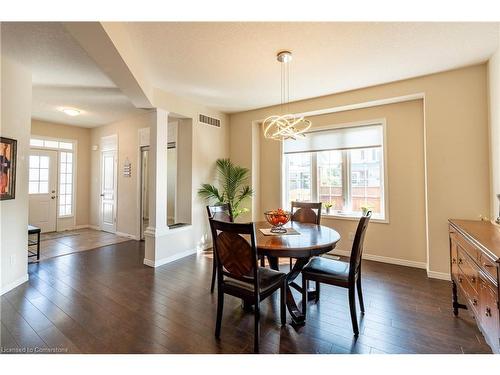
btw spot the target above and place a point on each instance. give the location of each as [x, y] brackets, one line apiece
[277, 218]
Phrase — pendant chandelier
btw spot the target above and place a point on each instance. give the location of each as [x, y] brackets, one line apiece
[287, 126]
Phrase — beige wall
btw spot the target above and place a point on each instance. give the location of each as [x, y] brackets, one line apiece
[494, 120]
[404, 236]
[15, 123]
[128, 200]
[82, 136]
[456, 141]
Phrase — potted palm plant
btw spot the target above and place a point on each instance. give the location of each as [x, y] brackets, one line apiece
[232, 181]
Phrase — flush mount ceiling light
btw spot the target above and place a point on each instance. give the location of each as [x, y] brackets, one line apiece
[288, 126]
[70, 111]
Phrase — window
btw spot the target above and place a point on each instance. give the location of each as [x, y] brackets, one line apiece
[343, 166]
[48, 143]
[38, 174]
[65, 183]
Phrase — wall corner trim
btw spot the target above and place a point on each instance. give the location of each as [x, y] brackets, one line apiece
[14, 284]
[438, 275]
[170, 259]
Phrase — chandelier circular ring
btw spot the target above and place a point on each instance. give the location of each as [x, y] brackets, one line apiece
[289, 126]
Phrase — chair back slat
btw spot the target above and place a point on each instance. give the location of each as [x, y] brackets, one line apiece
[305, 212]
[236, 256]
[221, 212]
[357, 246]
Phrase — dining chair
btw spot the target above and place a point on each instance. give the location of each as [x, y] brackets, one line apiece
[305, 212]
[239, 275]
[222, 212]
[345, 274]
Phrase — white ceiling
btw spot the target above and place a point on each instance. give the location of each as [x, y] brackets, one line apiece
[64, 75]
[232, 66]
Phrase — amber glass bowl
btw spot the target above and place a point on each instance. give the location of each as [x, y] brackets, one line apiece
[278, 218]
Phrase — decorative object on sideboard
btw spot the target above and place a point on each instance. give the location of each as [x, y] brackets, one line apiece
[127, 168]
[285, 126]
[232, 184]
[8, 151]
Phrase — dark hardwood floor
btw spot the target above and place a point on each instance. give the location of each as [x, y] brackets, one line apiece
[107, 301]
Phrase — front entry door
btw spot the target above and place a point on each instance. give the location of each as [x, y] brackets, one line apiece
[108, 191]
[42, 189]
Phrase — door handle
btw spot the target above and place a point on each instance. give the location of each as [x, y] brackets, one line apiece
[53, 197]
[102, 195]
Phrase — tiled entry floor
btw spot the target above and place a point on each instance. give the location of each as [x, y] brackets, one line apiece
[75, 241]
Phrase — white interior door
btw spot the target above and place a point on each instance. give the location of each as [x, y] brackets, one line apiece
[108, 190]
[43, 189]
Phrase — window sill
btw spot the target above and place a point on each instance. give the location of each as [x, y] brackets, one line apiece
[65, 216]
[352, 218]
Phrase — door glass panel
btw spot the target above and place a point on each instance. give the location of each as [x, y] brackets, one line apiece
[38, 174]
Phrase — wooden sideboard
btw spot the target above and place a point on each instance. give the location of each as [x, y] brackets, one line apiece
[475, 261]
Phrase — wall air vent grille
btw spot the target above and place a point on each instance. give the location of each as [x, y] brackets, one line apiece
[204, 119]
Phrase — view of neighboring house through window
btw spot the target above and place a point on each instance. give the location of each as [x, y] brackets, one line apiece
[343, 167]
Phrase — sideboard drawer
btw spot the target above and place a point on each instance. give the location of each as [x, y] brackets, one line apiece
[489, 314]
[489, 266]
[473, 252]
[468, 268]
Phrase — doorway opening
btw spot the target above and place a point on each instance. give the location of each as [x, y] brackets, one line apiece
[51, 184]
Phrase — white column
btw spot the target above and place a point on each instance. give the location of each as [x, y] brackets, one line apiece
[157, 187]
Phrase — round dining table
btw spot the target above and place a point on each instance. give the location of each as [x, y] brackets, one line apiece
[310, 240]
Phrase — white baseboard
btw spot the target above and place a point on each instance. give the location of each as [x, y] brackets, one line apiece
[94, 227]
[438, 275]
[128, 235]
[82, 226]
[14, 284]
[161, 262]
[383, 259]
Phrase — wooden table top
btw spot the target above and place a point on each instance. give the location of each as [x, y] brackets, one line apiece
[483, 234]
[313, 240]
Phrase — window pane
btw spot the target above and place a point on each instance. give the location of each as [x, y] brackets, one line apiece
[68, 209]
[69, 167]
[33, 187]
[51, 144]
[44, 161]
[62, 210]
[34, 161]
[66, 145]
[330, 183]
[36, 142]
[44, 174]
[34, 174]
[69, 157]
[44, 187]
[366, 182]
[299, 177]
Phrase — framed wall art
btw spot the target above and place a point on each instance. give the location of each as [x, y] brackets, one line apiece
[8, 148]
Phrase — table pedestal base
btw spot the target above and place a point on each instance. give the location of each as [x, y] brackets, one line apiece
[298, 317]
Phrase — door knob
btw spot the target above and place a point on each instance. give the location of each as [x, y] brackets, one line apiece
[53, 197]
[102, 195]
